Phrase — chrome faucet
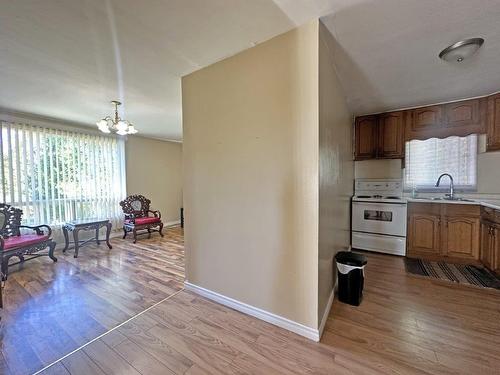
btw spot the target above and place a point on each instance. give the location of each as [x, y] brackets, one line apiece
[451, 195]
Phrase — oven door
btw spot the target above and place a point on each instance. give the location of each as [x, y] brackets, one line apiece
[379, 218]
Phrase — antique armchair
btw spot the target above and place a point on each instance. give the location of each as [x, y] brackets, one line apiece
[15, 243]
[138, 218]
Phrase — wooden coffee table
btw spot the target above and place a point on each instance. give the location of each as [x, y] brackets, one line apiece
[76, 226]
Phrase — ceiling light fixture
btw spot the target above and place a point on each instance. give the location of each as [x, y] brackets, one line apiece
[461, 50]
[115, 124]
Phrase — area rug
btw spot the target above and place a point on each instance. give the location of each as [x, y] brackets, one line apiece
[458, 273]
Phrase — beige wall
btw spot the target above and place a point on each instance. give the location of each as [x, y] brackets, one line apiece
[251, 175]
[488, 173]
[378, 168]
[154, 169]
[336, 170]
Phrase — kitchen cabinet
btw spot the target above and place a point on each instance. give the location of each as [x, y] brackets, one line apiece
[423, 233]
[379, 136]
[461, 237]
[390, 136]
[487, 245]
[383, 136]
[466, 113]
[493, 131]
[444, 231]
[452, 119]
[490, 239]
[365, 133]
[426, 118]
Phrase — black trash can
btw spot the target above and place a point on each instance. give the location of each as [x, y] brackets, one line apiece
[351, 276]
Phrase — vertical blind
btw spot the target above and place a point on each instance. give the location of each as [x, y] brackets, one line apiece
[426, 160]
[58, 175]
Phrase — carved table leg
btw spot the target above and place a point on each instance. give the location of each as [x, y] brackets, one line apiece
[66, 239]
[108, 231]
[161, 228]
[135, 235]
[75, 238]
[124, 232]
[97, 236]
[149, 233]
[52, 246]
[5, 267]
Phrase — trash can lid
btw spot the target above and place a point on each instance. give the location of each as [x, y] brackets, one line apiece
[350, 258]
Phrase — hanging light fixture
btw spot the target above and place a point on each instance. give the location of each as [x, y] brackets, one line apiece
[461, 50]
[115, 124]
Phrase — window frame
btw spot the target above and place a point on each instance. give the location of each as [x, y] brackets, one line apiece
[407, 188]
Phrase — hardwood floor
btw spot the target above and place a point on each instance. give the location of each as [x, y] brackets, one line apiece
[405, 325]
[53, 308]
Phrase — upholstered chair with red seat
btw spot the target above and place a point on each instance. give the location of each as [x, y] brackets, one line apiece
[139, 218]
[15, 243]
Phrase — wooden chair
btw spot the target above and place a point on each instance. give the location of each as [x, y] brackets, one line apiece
[137, 218]
[15, 243]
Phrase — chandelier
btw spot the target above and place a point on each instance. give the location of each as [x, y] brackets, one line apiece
[115, 124]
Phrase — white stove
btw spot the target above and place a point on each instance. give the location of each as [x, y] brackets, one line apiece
[379, 216]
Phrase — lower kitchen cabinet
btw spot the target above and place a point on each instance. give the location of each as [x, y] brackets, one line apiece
[444, 231]
[461, 237]
[487, 251]
[490, 245]
[423, 235]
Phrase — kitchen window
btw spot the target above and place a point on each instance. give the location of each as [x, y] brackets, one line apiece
[426, 160]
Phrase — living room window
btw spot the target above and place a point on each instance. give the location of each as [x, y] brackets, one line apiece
[58, 175]
[426, 160]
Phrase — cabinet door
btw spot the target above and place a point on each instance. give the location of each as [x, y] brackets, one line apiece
[391, 135]
[365, 134]
[427, 118]
[495, 249]
[461, 237]
[466, 117]
[493, 123]
[487, 255]
[423, 235]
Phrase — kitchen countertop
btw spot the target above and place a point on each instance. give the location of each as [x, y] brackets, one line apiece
[491, 204]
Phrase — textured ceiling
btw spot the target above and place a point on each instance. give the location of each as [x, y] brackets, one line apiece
[68, 59]
[386, 52]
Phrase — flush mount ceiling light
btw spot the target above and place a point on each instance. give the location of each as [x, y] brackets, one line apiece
[115, 124]
[461, 50]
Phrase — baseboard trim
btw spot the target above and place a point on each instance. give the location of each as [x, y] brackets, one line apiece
[290, 325]
[172, 223]
[326, 313]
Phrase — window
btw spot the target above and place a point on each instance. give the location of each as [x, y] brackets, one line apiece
[59, 175]
[426, 160]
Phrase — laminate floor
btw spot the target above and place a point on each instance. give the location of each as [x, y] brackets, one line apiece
[405, 325]
[50, 309]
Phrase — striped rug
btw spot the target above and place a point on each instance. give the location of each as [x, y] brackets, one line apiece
[458, 273]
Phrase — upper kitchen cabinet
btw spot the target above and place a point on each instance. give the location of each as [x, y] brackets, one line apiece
[493, 123]
[365, 134]
[424, 120]
[452, 119]
[383, 136]
[379, 136]
[466, 117]
[391, 136]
